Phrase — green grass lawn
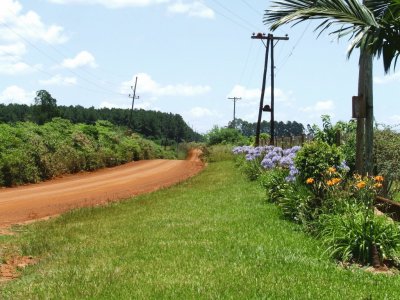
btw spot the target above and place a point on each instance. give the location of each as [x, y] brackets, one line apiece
[212, 237]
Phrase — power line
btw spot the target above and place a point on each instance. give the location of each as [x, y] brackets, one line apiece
[47, 73]
[252, 8]
[244, 24]
[54, 60]
[293, 48]
[246, 63]
[232, 12]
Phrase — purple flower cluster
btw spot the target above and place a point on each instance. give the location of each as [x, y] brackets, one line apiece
[273, 157]
[251, 153]
[277, 157]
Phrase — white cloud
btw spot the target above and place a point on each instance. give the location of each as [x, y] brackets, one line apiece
[18, 28]
[245, 93]
[17, 68]
[321, 107]
[250, 97]
[394, 120]
[15, 94]
[59, 80]
[112, 3]
[387, 79]
[27, 25]
[10, 59]
[83, 58]
[109, 104]
[201, 112]
[146, 85]
[193, 9]
[127, 104]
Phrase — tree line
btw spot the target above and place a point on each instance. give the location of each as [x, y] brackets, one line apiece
[290, 128]
[163, 128]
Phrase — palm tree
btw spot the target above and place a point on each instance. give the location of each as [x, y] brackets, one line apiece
[374, 28]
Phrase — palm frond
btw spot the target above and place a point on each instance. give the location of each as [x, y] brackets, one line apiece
[373, 26]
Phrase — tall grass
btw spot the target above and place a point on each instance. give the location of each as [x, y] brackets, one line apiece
[212, 237]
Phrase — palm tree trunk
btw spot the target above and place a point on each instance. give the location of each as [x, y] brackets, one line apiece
[365, 126]
[369, 120]
[367, 59]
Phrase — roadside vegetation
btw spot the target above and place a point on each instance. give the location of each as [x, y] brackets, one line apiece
[316, 187]
[31, 153]
[213, 236]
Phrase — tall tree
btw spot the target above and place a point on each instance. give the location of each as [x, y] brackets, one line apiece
[45, 107]
[374, 27]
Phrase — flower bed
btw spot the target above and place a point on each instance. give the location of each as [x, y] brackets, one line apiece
[313, 187]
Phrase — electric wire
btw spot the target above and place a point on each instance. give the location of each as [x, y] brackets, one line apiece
[244, 24]
[47, 73]
[55, 61]
[252, 8]
[286, 59]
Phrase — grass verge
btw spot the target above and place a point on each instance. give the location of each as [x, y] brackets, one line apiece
[211, 237]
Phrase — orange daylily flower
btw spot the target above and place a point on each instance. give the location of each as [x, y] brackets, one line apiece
[310, 180]
[361, 184]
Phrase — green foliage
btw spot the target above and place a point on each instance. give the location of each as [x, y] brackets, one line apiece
[273, 181]
[290, 128]
[30, 153]
[219, 152]
[387, 157]
[226, 136]
[45, 107]
[341, 134]
[314, 158]
[166, 129]
[251, 168]
[351, 236]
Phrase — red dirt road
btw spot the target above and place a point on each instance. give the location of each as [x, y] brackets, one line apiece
[32, 202]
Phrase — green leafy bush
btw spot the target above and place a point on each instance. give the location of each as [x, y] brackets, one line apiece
[386, 159]
[314, 158]
[225, 136]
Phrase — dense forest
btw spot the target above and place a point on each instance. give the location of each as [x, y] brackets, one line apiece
[164, 128]
[281, 129]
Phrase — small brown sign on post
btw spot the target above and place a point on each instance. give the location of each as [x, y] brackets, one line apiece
[358, 111]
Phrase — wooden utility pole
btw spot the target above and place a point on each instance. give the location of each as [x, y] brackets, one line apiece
[234, 109]
[270, 41]
[133, 96]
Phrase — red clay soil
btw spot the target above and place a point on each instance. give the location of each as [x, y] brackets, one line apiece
[32, 202]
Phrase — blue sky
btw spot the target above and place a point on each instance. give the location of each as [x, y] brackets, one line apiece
[189, 57]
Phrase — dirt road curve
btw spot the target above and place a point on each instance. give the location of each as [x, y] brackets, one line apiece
[23, 204]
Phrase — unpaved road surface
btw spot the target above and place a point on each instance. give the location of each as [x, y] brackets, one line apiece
[37, 201]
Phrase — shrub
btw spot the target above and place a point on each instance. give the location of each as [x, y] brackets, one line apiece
[273, 181]
[30, 153]
[225, 136]
[314, 158]
[386, 158]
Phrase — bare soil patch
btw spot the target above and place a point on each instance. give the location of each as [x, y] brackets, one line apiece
[24, 204]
